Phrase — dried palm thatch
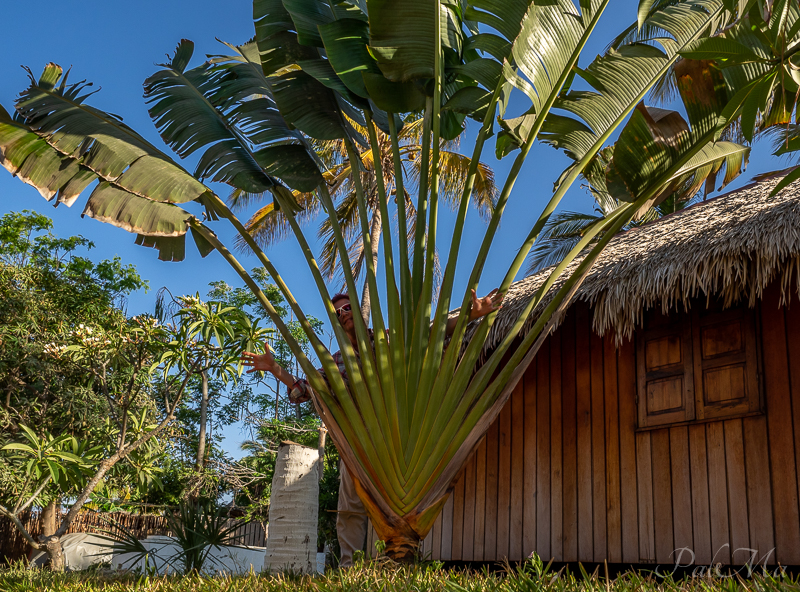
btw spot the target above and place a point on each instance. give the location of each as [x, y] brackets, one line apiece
[729, 247]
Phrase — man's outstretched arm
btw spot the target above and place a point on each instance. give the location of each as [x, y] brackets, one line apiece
[479, 307]
[299, 390]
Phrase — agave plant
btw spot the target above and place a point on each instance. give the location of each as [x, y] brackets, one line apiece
[417, 403]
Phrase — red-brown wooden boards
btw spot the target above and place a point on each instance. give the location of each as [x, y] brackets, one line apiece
[583, 380]
[627, 445]
[517, 402]
[543, 453]
[780, 429]
[556, 460]
[701, 521]
[569, 453]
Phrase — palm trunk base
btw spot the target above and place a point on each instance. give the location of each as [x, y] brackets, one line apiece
[402, 541]
[403, 549]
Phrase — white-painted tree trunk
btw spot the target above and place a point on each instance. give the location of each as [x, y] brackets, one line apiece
[293, 509]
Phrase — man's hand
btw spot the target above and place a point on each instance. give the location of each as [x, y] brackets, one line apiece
[483, 306]
[260, 362]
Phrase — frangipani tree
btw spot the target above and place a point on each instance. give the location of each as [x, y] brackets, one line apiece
[418, 403]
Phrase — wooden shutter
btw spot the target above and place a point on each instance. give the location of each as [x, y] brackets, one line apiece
[665, 371]
[725, 363]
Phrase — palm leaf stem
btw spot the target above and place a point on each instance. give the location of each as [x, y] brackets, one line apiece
[223, 210]
[396, 347]
[420, 352]
[366, 238]
[422, 205]
[478, 412]
[364, 380]
[314, 377]
[473, 349]
[445, 293]
[369, 391]
[451, 419]
[377, 450]
[400, 200]
[433, 354]
[494, 360]
[366, 384]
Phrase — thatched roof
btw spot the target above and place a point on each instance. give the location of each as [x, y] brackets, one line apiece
[731, 246]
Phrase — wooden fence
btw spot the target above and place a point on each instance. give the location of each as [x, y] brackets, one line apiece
[14, 547]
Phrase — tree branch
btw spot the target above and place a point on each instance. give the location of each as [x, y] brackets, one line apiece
[107, 464]
[18, 523]
[35, 494]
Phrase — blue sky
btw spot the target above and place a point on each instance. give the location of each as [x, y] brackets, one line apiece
[117, 45]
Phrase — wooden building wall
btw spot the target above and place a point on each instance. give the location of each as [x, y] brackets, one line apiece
[564, 472]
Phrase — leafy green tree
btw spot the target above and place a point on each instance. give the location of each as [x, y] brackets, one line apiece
[197, 465]
[48, 288]
[418, 402]
[137, 372]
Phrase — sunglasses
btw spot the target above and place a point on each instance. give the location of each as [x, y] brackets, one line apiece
[343, 309]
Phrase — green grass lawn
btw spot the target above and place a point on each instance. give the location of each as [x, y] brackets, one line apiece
[387, 578]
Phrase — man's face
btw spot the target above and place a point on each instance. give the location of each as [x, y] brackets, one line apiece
[344, 312]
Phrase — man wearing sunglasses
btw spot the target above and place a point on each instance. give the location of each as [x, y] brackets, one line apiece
[351, 519]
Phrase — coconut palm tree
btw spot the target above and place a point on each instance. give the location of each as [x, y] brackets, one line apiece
[268, 225]
[418, 402]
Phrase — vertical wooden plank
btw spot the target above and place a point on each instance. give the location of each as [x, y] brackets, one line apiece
[718, 493]
[447, 530]
[543, 453]
[599, 509]
[517, 470]
[780, 429]
[681, 494]
[458, 517]
[480, 501]
[436, 543]
[556, 484]
[583, 384]
[529, 473]
[759, 494]
[427, 544]
[662, 496]
[490, 531]
[372, 538]
[737, 491]
[626, 388]
[701, 521]
[792, 320]
[503, 483]
[613, 499]
[468, 533]
[644, 488]
[569, 452]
